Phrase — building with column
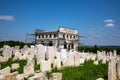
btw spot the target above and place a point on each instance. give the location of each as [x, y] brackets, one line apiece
[62, 38]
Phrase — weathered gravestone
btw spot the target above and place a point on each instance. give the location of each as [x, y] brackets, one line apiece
[96, 62]
[12, 76]
[38, 76]
[104, 61]
[57, 61]
[7, 52]
[45, 66]
[70, 60]
[16, 48]
[5, 71]
[51, 53]
[112, 70]
[20, 77]
[56, 76]
[17, 55]
[40, 53]
[77, 59]
[29, 68]
[118, 70]
[15, 66]
[32, 52]
[115, 53]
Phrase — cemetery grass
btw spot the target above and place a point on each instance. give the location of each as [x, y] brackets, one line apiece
[86, 71]
[22, 63]
[36, 67]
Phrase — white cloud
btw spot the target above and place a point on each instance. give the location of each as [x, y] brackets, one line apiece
[7, 18]
[109, 20]
[110, 25]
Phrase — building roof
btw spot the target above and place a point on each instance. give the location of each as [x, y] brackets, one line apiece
[44, 31]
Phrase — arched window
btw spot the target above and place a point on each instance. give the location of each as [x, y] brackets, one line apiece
[67, 36]
[54, 35]
[74, 36]
[50, 35]
[65, 45]
[63, 35]
[42, 36]
[70, 36]
[50, 43]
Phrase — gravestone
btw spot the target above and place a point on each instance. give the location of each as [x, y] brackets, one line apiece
[93, 57]
[7, 52]
[70, 60]
[12, 76]
[3, 59]
[82, 60]
[20, 77]
[100, 79]
[40, 53]
[104, 61]
[38, 76]
[118, 70]
[45, 66]
[23, 57]
[5, 71]
[96, 62]
[57, 61]
[17, 55]
[15, 66]
[29, 68]
[112, 70]
[16, 48]
[51, 53]
[111, 54]
[56, 76]
[63, 55]
[2, 77]
[115, 53]
[77, 59]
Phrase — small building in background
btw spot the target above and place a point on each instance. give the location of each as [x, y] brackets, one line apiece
[62, 38]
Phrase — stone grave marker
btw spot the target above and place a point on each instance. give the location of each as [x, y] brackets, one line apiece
[40, 53]
[5, 71]
[77, 59]
[45, 66]
[29, 68]
[56, 76]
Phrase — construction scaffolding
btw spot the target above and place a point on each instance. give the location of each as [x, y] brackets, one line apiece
[30, 38]
[81, 40]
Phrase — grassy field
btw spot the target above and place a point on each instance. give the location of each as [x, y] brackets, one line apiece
[22, 63]
[87, 71]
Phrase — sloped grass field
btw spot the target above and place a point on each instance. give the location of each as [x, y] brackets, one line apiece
[86, 71]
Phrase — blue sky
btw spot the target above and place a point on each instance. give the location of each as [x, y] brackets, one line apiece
[97, 20]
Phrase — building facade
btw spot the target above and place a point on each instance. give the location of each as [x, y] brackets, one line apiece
[62, 38]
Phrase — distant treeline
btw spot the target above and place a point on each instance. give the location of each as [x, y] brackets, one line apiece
[13, 43]
[96, 48]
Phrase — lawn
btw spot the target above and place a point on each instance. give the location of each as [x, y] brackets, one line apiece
[86, 71]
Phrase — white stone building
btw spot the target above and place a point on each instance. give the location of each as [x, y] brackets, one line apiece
[62, 38]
